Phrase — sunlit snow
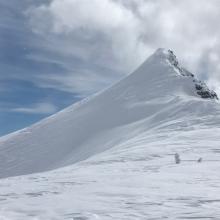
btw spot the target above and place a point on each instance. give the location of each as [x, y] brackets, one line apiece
[112, 156]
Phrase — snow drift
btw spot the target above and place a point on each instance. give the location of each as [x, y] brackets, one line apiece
[158, 91]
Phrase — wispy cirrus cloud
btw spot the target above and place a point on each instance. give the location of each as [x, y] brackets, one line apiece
[39, 108]
[58, 51]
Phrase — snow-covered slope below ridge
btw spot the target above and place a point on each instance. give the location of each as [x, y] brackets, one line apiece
[156, 93]
[138, 125]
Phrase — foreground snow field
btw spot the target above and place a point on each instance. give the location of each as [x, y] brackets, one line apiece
[137, 180]
[119, 151]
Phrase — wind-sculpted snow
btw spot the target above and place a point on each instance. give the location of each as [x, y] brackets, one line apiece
[119, 149]
[152, 94]
[136, 179]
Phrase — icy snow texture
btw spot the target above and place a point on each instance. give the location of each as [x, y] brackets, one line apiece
[132, 130]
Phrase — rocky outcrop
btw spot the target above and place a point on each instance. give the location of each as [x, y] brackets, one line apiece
[201, 88]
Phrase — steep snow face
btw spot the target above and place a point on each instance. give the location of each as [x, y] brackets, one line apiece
[158, 91]
[137, 178]
[167, 74]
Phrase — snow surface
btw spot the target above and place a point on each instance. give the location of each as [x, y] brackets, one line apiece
[118, 148]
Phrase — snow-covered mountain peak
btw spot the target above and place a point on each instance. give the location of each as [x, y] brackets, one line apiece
[156, 92]
[167, 61]
[119, 148]
[165, 56]
[164, 68]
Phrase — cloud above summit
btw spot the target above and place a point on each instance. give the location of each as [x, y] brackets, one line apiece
[122, 33]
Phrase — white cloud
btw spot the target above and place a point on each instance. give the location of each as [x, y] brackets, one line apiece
[103, 27]
[85, 85]
[122, 33]
[39, 108]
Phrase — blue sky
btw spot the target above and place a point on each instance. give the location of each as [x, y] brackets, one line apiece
[28, 91]
[22, 101]
[55, 52]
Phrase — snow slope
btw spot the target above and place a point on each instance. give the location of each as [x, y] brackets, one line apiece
[156, 92]
[119, 147]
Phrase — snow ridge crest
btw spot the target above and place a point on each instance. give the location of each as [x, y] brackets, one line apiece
[201, 88]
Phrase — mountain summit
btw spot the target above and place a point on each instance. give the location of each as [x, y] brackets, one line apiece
[163, 67]
[119, 146]
[160, 90]
[201, 88]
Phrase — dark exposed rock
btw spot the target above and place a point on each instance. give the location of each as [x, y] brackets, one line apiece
[172, 58]
[207, 94]
[204, 91]
[201, 88]
[198, 87]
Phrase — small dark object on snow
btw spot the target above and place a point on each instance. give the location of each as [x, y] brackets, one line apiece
[177, 158]
[199, 160]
